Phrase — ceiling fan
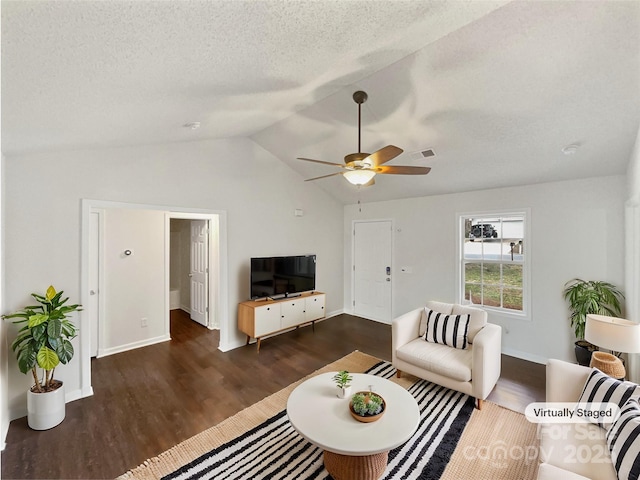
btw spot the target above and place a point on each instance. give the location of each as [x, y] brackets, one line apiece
[360, 168]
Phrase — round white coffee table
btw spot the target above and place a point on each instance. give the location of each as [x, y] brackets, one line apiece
[352, 449]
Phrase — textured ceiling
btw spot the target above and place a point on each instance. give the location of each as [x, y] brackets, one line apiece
[495, 88]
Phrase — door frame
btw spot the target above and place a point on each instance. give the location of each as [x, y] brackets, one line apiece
[353, 263]
[218, 249]
[213, 315]
[100, 274]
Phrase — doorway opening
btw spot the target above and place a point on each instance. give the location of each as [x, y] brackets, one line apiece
[110, 255]
[189, 277]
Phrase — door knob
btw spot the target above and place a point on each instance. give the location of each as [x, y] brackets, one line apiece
[191, 275]
[92, 292]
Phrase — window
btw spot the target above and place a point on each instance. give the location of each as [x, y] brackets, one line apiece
[493, 266]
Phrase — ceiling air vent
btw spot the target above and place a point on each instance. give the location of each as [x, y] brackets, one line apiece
[419, 155]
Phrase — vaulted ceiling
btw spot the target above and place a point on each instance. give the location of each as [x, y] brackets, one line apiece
[496, 89]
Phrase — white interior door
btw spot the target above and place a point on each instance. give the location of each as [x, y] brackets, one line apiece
[199, 272]
[372, 270]
[93, 308]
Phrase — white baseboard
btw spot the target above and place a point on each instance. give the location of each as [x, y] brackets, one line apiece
[78, 394]
[20, 411]
[531, 357]
[3, 433]
[130, 346]
[351, 312]
[230, 346]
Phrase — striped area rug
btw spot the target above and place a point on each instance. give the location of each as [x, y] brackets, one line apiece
[478, 455]
[274, 450]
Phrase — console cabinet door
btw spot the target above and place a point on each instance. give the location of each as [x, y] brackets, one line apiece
[267, 319]
[314, 307]
[292, 312]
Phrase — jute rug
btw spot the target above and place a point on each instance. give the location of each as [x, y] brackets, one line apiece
[496, 443]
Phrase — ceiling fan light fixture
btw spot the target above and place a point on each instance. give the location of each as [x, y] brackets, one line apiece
[360, 168]
[359, 177]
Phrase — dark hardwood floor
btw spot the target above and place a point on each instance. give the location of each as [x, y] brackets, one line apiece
[147, 400]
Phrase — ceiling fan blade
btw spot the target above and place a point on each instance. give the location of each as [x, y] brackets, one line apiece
[402, 170]
[323, 176]
[383, 155]
[321, 161]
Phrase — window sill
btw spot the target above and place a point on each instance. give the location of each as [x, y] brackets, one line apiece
[506, 314]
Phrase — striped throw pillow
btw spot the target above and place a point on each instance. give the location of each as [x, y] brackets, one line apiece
[600, 387]
[623, 440]
[445, 329]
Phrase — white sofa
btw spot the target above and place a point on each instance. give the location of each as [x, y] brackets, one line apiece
[571, 451]
[473, 371]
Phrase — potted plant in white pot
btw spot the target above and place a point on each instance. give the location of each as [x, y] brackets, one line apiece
[585, 297]
[43, 342]
[343, 382]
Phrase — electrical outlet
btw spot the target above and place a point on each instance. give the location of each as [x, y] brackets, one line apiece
[144, 322]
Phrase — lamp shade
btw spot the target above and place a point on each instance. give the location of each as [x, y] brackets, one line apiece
[359, 176]
[615, 334]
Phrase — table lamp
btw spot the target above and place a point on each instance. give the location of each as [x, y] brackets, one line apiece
[615, 334]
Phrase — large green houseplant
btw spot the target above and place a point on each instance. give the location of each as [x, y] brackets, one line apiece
[585, 297]
[43, 342]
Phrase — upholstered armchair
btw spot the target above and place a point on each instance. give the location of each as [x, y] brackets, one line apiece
[449, 344]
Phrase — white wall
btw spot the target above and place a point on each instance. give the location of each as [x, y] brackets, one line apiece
[632, 250]
[258, 192]
[134, 284]
[577, 230]
[4, 341]
[174, 260]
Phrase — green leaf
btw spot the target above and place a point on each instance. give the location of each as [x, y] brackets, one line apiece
[26, 360]
[54, 328]
[37, 319]
[68, 329]
[40, 333]
[47, 358]
[71, 308]
[22, 337]
[25, 314]
[65, 351]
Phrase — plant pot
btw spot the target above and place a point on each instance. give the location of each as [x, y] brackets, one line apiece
[46, 410]
[584, 350]
[367, 418]
[344, 392]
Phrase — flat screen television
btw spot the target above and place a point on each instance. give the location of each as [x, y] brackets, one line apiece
[282, 276]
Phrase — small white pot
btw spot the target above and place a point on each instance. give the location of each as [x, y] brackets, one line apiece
[344, 392]
[45, 410]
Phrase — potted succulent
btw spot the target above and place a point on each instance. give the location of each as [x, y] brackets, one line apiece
[366, 406]
[585, 297]
[43, 342]
[343, 382]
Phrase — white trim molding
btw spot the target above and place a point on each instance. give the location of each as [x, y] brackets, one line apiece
[632, 278]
